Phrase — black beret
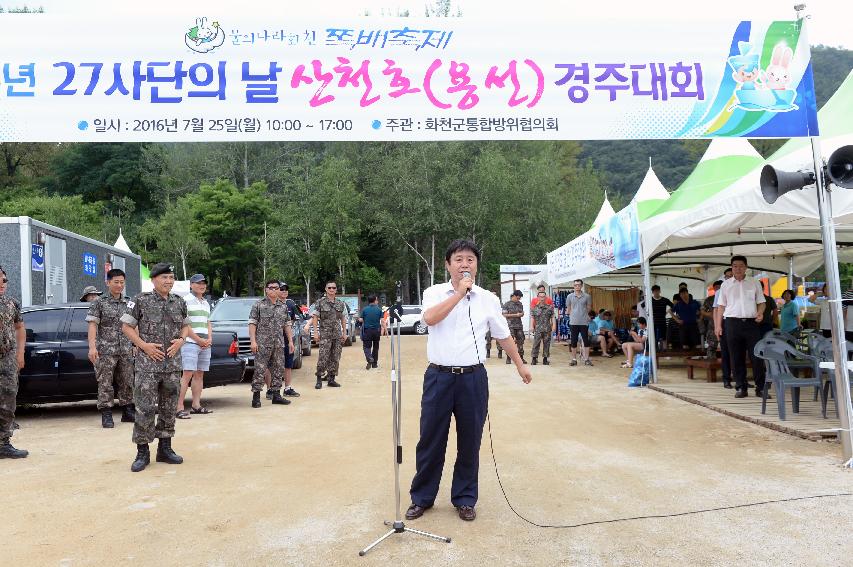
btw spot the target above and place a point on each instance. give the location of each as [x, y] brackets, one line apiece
[162, 268]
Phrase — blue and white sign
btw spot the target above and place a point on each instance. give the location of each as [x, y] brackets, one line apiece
[90, 264]
[38, 258]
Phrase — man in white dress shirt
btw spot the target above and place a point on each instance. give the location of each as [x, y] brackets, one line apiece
[740, 304]
[459, 315]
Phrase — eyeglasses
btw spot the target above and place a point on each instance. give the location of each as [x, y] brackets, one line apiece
[331, 287]
[272, 287]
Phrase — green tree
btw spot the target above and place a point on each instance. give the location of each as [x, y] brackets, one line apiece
[174, 236]
[70, 213]
[230, 222]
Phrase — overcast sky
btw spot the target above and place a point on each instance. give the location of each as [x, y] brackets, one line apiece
[831, 20]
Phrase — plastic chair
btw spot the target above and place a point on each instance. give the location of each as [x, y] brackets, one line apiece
[823, 352]
[781, 335]
[775, 354]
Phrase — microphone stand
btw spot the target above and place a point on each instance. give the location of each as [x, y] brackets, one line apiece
[397, 526]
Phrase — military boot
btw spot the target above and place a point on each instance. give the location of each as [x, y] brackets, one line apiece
[332, 383]
[277, 399]
[535, 362]
[143, 457]
[165, 454]
[128, 414]
[9, 452]
[500, 354]
[107, 418]
[256, 399]
[544, 361]
[508, 360]
[319, 383]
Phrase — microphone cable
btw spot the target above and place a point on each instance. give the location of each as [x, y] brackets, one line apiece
[626, 518]
[645, 517]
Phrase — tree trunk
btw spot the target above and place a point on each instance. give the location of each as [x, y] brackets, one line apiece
[245, 165]
[432, 263]
[417, 275]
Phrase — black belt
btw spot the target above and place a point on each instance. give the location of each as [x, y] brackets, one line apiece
[741, 319]
[456, 369]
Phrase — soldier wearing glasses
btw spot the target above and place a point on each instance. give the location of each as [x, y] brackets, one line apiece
[269, 323]
[329, 318]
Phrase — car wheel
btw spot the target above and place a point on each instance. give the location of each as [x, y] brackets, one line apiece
[297, 358]
[306, 348]
[420, 328]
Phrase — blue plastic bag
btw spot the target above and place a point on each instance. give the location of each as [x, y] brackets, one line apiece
[641, 371]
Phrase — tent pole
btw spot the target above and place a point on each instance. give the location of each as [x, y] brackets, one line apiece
[651, 340]
[791, 283]
[650, 323]
[839, 343]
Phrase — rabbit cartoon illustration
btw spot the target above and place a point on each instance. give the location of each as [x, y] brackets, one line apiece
[204, 36]
[776, 76]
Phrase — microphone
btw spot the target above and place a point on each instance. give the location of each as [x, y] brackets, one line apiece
[468, 293]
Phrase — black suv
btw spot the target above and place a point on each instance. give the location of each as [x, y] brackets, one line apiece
[232, 314]
[57, 366]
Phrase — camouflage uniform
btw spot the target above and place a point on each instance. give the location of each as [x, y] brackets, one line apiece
[159, 320]
[516, 325]
[269, 319]
[10, 314]
[329, 315]
[542, 315]
[114, 352]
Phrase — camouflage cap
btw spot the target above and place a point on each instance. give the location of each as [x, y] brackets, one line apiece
[89, 289]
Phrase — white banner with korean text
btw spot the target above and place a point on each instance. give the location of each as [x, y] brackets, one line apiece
[247, 75]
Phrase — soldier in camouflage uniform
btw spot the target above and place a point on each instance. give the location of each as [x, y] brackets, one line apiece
[110, 350]
[329, 318]
[513, 310]
[267, 319]
[156, 323]
[12, 342]
[543, 324]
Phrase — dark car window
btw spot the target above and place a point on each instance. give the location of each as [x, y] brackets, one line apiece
[231, 310]
[43, 325]
[79, 330]
[411, 310]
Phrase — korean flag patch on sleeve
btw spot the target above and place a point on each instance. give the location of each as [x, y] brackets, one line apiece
[130, 304]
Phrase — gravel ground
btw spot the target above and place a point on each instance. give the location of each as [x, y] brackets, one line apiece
[311, 483]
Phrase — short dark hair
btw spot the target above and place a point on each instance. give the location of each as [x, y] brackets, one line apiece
[682, 284]
[641, 320]
[115, 272]
[461, 245]
[330, 281]
[718, 282]
[741, 258]
[592, 313]
[656, 287]
[541, 286]
[793, 293]
[580, 281]
[727, 270]
[371, 298]
[268, 282]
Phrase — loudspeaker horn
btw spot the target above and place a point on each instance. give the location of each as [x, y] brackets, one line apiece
[839, 168]
[775, 182]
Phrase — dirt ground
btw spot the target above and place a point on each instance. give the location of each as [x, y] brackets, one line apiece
[311, 483]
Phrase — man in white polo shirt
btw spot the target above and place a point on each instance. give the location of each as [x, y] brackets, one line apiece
[195, 354]
[459, 315]
[740, 305]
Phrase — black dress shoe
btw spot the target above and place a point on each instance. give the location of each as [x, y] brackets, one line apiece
[415, 511]
[741, 394]
[758, 395]
[727, 385]
[467, 513]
